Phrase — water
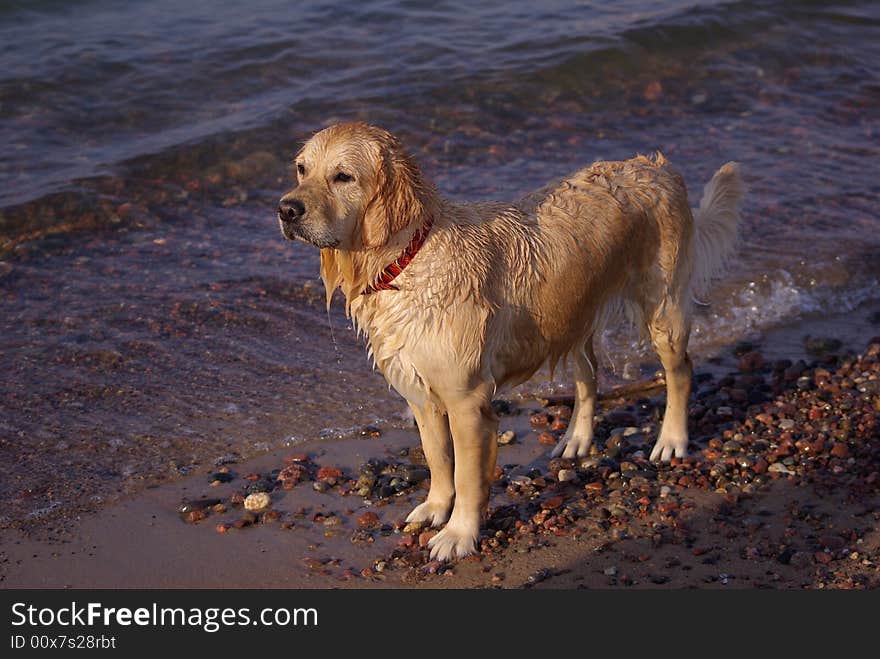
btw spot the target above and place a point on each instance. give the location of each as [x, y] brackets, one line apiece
[152, 317]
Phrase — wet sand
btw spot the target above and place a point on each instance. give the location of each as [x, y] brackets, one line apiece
[716, 523]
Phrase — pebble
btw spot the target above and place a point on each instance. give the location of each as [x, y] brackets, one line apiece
[779, 468]
[751, 362]
[368, 520]
[566, 475]
[413, 527]
[507, 437]
[786, 424]
[547, 439]
[559, 424]
[416, 475]
[610, 571]
[257, 501]
[832, 542]
[329, 473]
[197, 505]
[539, 420]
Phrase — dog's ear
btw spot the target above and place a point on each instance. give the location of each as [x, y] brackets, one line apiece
[398, 198]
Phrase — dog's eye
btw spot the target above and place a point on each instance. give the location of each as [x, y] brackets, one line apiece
[301, 169]
[342, 177]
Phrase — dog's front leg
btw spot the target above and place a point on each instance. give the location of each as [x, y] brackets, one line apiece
[437, 444]
[474, 428]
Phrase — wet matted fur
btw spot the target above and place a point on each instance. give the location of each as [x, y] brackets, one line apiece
[500, 289]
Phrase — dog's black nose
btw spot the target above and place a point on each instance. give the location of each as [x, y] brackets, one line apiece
[291, 210]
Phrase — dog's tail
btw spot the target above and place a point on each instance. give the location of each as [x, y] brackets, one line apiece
[716, 225]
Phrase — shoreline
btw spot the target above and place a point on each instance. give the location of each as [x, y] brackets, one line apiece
[142, 542]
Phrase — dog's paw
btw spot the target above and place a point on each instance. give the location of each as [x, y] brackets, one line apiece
[572, 447]
[435, 513]
[453, 542]
[667, 447]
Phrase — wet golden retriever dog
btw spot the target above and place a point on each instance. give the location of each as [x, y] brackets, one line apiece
[460, 299]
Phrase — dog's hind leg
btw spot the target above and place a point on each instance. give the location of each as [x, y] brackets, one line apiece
[474, 428]
[669, 329]
[579, 435]
[437, 445]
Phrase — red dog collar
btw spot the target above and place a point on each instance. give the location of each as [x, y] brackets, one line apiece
[383, 281]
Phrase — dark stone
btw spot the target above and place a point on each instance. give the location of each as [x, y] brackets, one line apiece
[742, 348]
[501, 407]
[821, 345]
[416, 475]
[785, 555]
[262, 485]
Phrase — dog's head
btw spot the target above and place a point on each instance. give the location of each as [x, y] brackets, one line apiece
[355, 189]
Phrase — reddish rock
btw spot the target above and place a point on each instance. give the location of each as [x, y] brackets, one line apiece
[560, 411]
[803, 446]
[822, 557]
[221, 528]
[368, 520]
[751, 362]
[552, 503]
[840, 450]
[653, 91]
[559, 424]
[594, 488]
[425, 537]
[539, 420]
[547, 439]
[760, 466]
[432, 567]
[296, 458]
[325, 473]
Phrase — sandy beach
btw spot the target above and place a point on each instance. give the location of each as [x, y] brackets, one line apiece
[781, 491]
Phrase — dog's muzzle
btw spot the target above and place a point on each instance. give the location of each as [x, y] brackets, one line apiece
[290, 215]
